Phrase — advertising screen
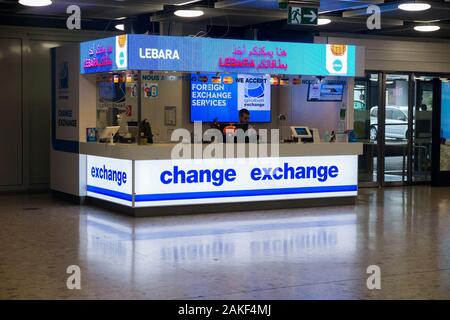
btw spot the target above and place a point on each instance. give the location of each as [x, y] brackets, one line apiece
[325, 92]
[445, 127]
[111, 92]
[216, 97]
[196, 54]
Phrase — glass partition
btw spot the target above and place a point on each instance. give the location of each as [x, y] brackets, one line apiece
[396, 128]
[366, 102]
[117, 103]
[422, 137]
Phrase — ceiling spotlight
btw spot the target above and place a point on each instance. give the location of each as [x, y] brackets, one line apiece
[427, 28]
[188, 13]
[187, 2]
[414, 6]
[323, 21]
[120, 26]
[35, 3]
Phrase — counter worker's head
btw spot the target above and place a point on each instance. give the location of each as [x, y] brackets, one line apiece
[244, 116]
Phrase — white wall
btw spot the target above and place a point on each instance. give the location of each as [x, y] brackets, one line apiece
[29, 113]
[321, 115]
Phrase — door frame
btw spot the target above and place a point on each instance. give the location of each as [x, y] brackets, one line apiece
[376, 183]
[381, 150]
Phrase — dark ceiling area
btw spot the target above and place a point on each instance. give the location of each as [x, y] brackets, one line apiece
[262, 19]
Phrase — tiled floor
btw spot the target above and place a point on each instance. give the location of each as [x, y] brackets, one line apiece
[319, 253]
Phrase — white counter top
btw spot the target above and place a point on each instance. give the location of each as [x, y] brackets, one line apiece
[159, 151]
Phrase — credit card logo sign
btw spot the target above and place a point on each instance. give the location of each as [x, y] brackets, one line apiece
[216, 80]
[228, 80]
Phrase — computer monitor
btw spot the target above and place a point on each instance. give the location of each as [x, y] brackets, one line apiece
[301, 132]
[109, 132]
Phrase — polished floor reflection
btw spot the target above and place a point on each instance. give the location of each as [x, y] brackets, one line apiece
[318, 253]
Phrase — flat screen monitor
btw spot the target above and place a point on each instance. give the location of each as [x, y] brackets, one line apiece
[109, 132]
[301, 132]
[325, 92]
[219, 97]
[111, 92]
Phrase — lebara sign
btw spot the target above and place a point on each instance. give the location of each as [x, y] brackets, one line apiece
[104, 55]
[187, 54]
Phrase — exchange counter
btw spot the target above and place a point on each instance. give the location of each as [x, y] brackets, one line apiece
[149, 180]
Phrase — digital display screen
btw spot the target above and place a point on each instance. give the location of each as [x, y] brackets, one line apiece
[111, 92]
[445, 126]
[301, 131]
[219, 97]
[325, 92]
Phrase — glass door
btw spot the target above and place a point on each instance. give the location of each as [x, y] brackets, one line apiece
[395, 129]
[392, 118]
[422, 131]
[365, 103]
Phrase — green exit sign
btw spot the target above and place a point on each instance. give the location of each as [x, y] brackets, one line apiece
[302, 16]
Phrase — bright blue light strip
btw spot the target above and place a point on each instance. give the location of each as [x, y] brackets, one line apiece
[241, 193]
[110, 193]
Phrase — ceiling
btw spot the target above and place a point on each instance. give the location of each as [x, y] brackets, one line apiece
[233, 17]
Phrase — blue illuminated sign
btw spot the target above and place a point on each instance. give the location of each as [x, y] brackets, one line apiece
[97, 56]
[104, 173]
[220, 97]
[187, 54]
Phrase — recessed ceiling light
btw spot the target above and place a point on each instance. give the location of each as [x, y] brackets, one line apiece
[427, 28]
[426, 21]
[35, 3]
[323, 21]
[188, 13]
[187, 2]
[414, 6]
[120, 26]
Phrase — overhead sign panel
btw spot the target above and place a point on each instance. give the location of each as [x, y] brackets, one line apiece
[188, 54]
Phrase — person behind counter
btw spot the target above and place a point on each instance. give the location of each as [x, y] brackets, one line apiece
[230, 129]
[244, 119]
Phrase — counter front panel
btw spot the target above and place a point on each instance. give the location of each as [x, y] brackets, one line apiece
[208, 181]
[160, 182]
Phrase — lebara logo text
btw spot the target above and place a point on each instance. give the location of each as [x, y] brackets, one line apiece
[158, 54]
[104, 173]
